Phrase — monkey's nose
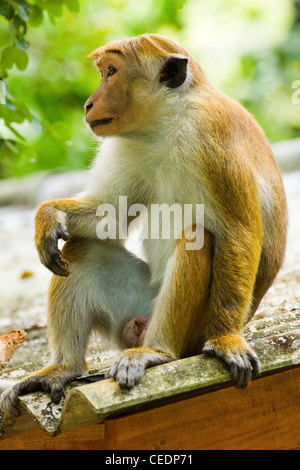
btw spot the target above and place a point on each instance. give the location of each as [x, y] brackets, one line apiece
[88, 105]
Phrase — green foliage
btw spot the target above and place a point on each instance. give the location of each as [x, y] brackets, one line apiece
[263, 83]
[47, 94]
[15, 17]
[48, 77]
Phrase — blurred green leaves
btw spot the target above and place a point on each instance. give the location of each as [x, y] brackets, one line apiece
[43, 60]
[263, 83]
[20, 14]
[42, 119]
[14, 55]
[15, 18]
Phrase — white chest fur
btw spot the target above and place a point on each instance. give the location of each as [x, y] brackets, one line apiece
[152, 171]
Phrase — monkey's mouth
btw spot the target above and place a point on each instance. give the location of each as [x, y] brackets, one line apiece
[100, 122]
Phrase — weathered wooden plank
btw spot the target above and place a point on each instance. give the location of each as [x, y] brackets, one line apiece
[87, 438]
[10, 426]
[265, 416]
[168, 382]
[92, 403]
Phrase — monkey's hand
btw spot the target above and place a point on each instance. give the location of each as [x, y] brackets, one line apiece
[49, 228]
[237, 354]
[52, 380]
[130, 366]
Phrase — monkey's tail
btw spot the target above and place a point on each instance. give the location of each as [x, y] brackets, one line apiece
[5, 384]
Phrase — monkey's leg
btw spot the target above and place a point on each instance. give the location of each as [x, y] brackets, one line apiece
[69, 326]
[106, 288]
[176, 323]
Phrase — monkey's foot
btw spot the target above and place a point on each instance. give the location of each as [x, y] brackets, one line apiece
[130, 366]
[51, 380]
[234, 351]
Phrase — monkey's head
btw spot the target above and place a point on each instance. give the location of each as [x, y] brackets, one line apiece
[140, 77]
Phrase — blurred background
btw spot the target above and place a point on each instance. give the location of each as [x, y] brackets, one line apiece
[250, 49]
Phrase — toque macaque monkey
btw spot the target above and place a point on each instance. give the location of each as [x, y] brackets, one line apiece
[168, 137]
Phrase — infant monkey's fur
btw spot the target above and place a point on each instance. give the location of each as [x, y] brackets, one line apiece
[168, 137]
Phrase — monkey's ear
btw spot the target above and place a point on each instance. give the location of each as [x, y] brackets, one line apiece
[174, 71]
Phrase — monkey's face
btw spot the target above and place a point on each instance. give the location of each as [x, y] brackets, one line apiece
[129, 97]
[107, 109]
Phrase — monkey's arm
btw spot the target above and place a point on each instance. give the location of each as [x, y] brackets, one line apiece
[63, 218]
[237, 251]
[235, 264]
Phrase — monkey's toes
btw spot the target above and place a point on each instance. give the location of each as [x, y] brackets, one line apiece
[10, 398]
[242, 365]
[9, 402]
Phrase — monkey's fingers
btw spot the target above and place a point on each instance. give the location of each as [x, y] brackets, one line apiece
[53, 260]
[62, 233]
[129, 368]
[51, 256]
[47, 247]
[242, 362]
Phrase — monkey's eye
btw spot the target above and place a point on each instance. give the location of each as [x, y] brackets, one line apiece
[111, 71]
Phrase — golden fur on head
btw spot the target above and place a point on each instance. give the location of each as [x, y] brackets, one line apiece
[143, 45]
[148, 45]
